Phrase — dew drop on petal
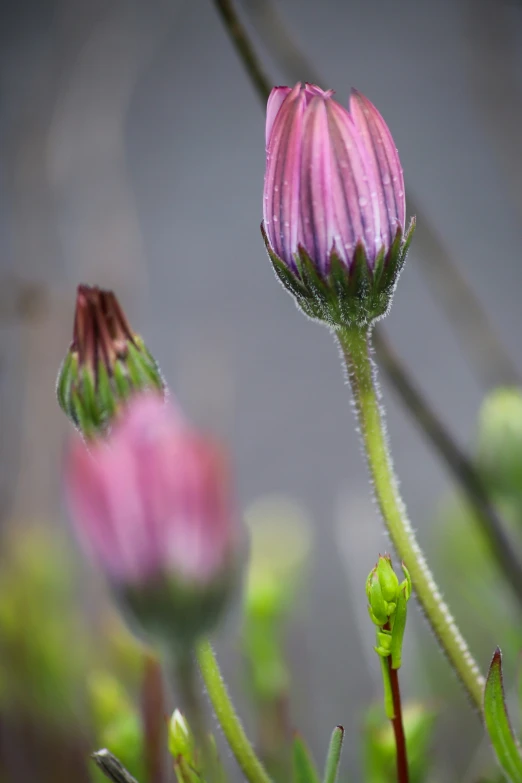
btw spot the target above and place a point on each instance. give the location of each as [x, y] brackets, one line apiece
[363, 201]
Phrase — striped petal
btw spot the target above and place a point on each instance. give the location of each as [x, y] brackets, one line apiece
[275, 101]
[354, 203]
[281, 191]
[316, 226]
[386, 172]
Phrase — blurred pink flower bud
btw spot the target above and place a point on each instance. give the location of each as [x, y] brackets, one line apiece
[333, 199]
[152, 504]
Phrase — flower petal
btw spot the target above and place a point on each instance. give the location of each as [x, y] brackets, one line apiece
[355, 205]
[281, 191]
[316, 228]
[385, 165]
[275, 100]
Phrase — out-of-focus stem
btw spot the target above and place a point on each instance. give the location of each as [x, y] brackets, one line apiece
[361, 373]
[189, 689]
[227, 717]
[153, 710]
[243, 46]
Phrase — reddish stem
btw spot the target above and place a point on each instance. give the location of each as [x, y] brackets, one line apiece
[398, 728]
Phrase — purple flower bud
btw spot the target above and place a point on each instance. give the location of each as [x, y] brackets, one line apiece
[333, 178]
[152, 503]
[334, 210]
[106, 363]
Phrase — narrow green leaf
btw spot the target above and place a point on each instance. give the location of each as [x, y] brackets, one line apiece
[304, 767]
[333, 757]
[504, 743]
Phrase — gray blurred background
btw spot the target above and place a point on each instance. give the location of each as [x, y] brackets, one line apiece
[132, 156]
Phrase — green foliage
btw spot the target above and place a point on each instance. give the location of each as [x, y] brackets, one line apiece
[280, 543]
[379, 744]
[505, 744]
[333, 757]
[499, 447]
[117, 723]
[44, 642]
[304, 770]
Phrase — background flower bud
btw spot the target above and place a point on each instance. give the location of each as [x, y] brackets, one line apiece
[105, 365]
[181, 740]
[334, 207]
[152, 504]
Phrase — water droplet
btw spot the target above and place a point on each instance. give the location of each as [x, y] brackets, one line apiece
[386, 179]
[363, 201]
[276, 188]
[275, 218]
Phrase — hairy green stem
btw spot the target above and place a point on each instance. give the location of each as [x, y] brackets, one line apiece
[355, 346]
[230, 724]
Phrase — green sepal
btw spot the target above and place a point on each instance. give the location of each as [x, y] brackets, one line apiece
[105, 394]
[67, 371]
[333, 757]
[121, 380]
[344, 297]
[387, 578]
[304, 770]
[505, 745]
[185, 773]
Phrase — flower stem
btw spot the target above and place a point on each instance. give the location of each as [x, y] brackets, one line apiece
[227, 717]
[243, 46]
[189, 690]
[361, 370]
[398, 728]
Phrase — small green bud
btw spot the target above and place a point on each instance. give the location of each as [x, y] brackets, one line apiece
[105, 365]
[382, 590]
[387, 578]
[181, 740]
[379, 608]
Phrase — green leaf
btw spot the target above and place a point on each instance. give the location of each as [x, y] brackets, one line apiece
[333, 757]
[504, 743]
[304, 767]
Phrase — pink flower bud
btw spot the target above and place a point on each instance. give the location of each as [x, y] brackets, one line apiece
[152, 503]
[333, 178]
[333, 209]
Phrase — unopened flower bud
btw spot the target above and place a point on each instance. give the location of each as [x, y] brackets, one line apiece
[181, 740]
[388, 579]
[106, 363]
[382, 590]
[152, 504]
[378, 607]
[334, 214]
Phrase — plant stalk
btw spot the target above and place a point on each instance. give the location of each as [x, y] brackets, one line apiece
[398, 728]
[230, 724]
[361, 371]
